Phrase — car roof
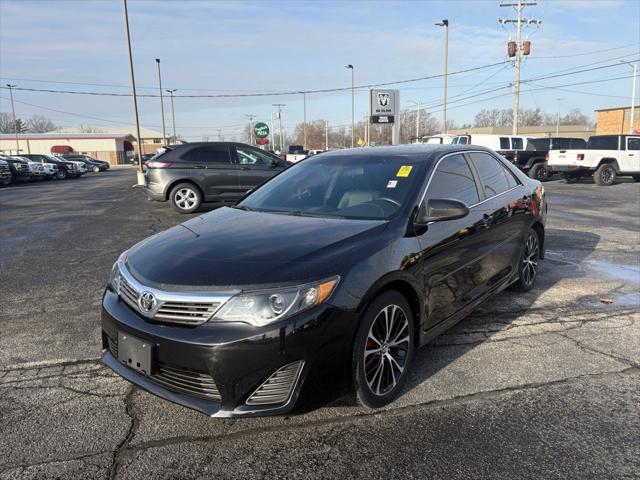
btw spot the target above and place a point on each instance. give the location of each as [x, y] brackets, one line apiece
[194, 144]
[424, 151]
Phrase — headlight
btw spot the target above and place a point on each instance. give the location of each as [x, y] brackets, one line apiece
[268, 306]
[114, 278]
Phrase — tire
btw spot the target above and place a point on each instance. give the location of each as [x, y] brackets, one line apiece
[571, 178]
[539, 172]
[636, 178]
[379, 366]
[185, 198]
[96, 169]
[528, 262]
[61, 175]
[605, 175]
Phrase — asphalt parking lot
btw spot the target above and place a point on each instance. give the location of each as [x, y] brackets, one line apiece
[540, 385]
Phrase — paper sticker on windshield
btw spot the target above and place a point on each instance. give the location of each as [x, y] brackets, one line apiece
[392, 183]
[404, 171]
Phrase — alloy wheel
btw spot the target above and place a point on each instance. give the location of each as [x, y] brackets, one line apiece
[606, 175]
[186, 198]
[386, 350]
[542, 174]
[530, 259]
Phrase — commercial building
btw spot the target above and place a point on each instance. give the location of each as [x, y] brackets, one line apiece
[110, 147]
[150, 139]
[616, 121]
[574, 131]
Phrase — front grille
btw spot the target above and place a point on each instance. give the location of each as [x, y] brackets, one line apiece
[178, 379]
[188, 313]
[278, 387]
[177, 312]
[4, 169]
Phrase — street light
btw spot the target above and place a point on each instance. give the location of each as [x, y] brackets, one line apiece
[353, 106]
[280, 105]
[633, 95]
[164, 131]
[173, 113]
[417, 119]
[558, 116]
[13, 110]
[251, 117]
[445, 24]
[135, 98]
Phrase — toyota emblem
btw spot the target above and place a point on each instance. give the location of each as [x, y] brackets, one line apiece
[147, 302]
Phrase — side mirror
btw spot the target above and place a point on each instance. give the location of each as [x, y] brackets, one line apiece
[441, 209]
[274, 163]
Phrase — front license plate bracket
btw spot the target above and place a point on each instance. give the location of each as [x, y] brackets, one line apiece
[135, 353]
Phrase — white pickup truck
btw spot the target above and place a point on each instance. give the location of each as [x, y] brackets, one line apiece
[605, 157]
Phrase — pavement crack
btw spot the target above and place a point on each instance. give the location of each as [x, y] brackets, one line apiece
[586, 348]
[120, 450]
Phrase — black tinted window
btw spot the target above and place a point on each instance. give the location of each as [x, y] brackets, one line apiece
[208, 154]
[517, 144]
[249, 156]
[504, 143]
[577, 143]
[494, 176]
[538, 144]
[609, 142]
[633, 143]
[453, 179]
[561, 144]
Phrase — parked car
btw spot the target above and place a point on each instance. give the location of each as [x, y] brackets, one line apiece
[19, 169]
[438, 139]
[36, 170]
[335, 270]
[497, 143]
[221, 172]
[533, 159]
[5, 173]
[50, 169]
[605, 157]
[65, 168]
[92, 164]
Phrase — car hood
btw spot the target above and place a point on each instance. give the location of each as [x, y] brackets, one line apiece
[234, 248]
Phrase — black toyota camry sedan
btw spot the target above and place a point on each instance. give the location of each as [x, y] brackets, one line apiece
[336, 269]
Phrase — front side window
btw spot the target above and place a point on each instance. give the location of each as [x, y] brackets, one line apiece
[633, 143]
[494, 176]
[246, 156]
[517, 144]
[208, 154]
[347, 186]
[453, 180]
[504, 143]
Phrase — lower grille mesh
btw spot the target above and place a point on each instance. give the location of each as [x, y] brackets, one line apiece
[278, 387]
[178, 379]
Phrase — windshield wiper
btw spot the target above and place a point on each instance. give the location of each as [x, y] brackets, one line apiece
[242, 207]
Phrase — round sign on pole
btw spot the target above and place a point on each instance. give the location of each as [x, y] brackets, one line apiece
[261, 130]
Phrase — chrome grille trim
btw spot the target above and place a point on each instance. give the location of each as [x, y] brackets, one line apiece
[180, 308]
[278, 387]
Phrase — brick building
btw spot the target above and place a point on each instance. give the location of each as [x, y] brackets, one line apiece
[616, 120]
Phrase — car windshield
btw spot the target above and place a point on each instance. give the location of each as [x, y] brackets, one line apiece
[346, 186]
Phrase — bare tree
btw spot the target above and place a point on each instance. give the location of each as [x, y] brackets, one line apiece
[6, 123]
[40, 124]
[89, 129]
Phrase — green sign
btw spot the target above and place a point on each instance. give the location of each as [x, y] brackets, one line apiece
[261, 130]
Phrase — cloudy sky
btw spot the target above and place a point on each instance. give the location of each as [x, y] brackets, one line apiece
[219, 47]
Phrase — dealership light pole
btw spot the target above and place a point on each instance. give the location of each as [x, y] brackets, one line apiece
[13, 111]
[445, 24]
[304, 124]
[135, 99]
[250, 117]
[326, 134]
[164, 131]
[633, 96]
[353, 105]
[417, 118]
[280, 105]
[173, 112]
[558, 116]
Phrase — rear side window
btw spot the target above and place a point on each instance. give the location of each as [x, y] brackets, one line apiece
[609, 142]
[495, 177]
[208, 154]
[504, 143]
[577, 143]
[247, 156]
[460, 140]
[633, 143]
[561, 144]
[517, 144]
[453, 179]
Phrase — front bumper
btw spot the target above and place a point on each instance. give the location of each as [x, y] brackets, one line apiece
[238, 358]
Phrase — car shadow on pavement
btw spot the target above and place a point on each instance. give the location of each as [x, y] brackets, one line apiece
[484, 323]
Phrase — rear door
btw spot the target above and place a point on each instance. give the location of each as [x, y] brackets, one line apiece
[631, 157]
[212, 168]
[254, 167]
[505, 216]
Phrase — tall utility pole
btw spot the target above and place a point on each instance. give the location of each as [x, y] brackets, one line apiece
[326, 134]
[353, 105]
[519, 7]
[445, 24]
[633, 96]
[135, 98]
[13, 111]
[558, 116]
[280, 105]
[164, 130]
[173, 113]
[250, 117]
[271, 134]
